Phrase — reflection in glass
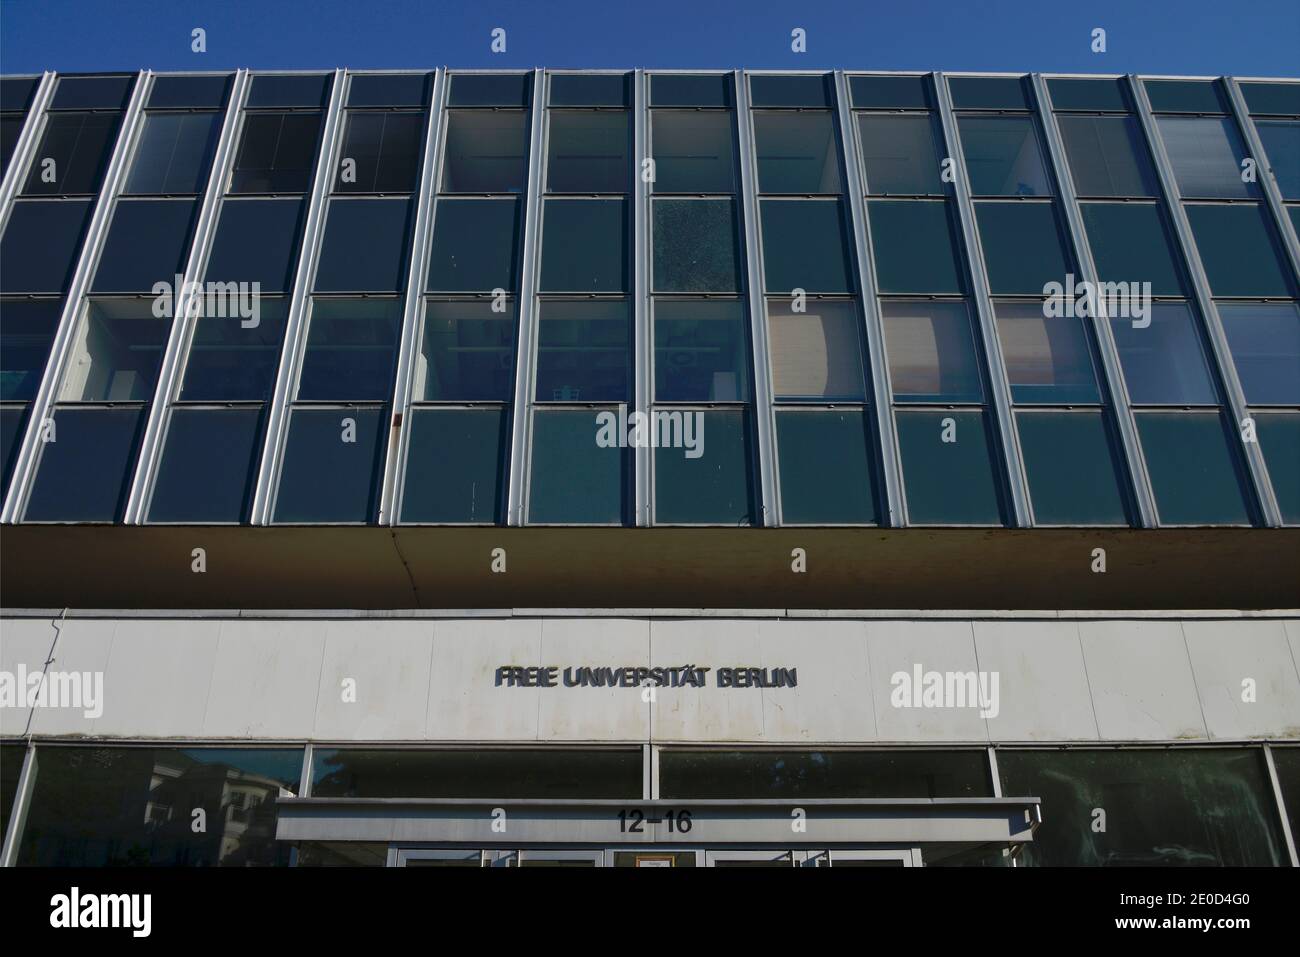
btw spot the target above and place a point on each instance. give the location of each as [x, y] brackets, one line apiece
[816, 353]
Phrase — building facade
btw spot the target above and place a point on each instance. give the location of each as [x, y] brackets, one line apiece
[649, 469]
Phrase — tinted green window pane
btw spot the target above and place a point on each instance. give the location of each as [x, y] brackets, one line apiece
[11, 766]
[27, 328]
[797, 153]
[682, 89]
[695, 247]
[1286, 761]
[1002, 156]
[84, 475]
[1073, 478]
[1047, 359]
[40, 245]
[1164, 362]
[13, 420]
[1264, 339]
[584, 245]
[583, 351]
[276, 153]
[701, 351]
[988, 93]
[1108, 156]
[825, 468]
[806, 91]
[890, 92]
[257, 241]
[1282, 147]
[1276, 98]
[365, 244]
[92, 92]
[1182, 806]
[914, 247]
[1131, 243]
[587, 152]
[455, 465]
[148, 242]
[475, 244]
[116, 352]
[326, 479]
[486, 152]
[1185, 96]
[947, 483]
[230, 361]
[466, 353]
[1205, 153]
[79, 144]
[900, 155]
[1279, 440]
[575, 479]
[351, 350]
[385, 150]
[289, 90]
[1193, 470]
[1100, 94]
[598, 89]
[207, 471]
[931, 350]
[193, 92]
[490, 89]
[175, 153]
[1022, 247]
[694, 152]
[816, 353]
[382, 89]
[805, 246]
[715, 487]
[1240, 251]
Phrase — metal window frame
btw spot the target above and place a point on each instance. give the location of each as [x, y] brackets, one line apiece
[25, 147]
[17, 823]
[642, 306]
[1279, 800]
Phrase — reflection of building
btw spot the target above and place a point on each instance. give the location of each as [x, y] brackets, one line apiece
[912, 463]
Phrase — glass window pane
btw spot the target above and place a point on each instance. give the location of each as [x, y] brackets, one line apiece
[900, 155]
[1098, 94]
[1107, 156]
[85, 473]
[351, 350]
[587, 152]
[490, 89]
[365, 245]
[1264, 339]
[486, 152]
[13, 422]
[385, 150]
[1193, 470]
[988, 93]
[147, 243]
[116, 352]
[695, 247]
[1183, 806]
[1131, 243]
[208, 466]
[947, 482]
[593, 89]
[805, 247]
[1185, 96]
[16, 92]
[11, 127]
[583, 351]
[1022, 244]
[797, 153]
[1281, 141]
[931, 349]
[584, 245]
[466, 353]
[137, 802]
[714, 487]
[1240, 251]
[257, 242]
[825, 468]
[277, 153]
[1205, 153]
[332, 463]
[92, 92]
[914, 247]
[40, 245]
[1047, 358]
[1002, 156]
[175, 153]
[1071, 468]
[72, 154]
[701, 350]
[235, 358]
[694, 152]
[27, 328]
[11, 766]
[189, 92]
[1279, 440]
[289, 90]
[1275, 98]
[578, 473]
[1164, 362]
[805, 91]
[475, 242]
[455, 466]
[389, 89]
[681, 89]
[890, 92]
[816, 353]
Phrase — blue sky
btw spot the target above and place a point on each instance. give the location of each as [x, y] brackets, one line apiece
[1254, 38]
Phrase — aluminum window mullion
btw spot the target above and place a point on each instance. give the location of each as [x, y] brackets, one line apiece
[1221, 354]
[87, 262]
[183, 322]
[25, 147]
[764, 414]
[524, 358]
[642, 340]
[1267, 181]
[390, 502]
[313, 231]
[1121, 405]
[1014, 472]
[1279, 802]
[17, 822]
[874, 328]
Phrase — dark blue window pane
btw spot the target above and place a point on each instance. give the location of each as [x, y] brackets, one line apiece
[72, 155]
[701, 350]
[900, 155]
[1264, 339]
[1279, 440]
[1108, 156]
[825, 468]
[694, 151]
[13, 422]
[716, 486]
[189, 92]
[40, 245]
[490, 89]
[257, 241]
[1022, 244]
[271, 90]
[1162, 357]
[1071, 468]
[1269, 98]
[797, 153]
[455, 466]
[1002, 156]
[988, 93]
[804, 91]
[1240, 251]
[1131, 243]
[277, 153]
[486, 152]
[587, 152]
[92, 92]
[365, 246]
[683, 89]
[1193, 468]
[11, 127]
[351, 350]
[386, 150]
[208, 466]
[568, 89]
[85, 473]
[148, 242]
[947, 482]
[27, 328]
[890, 92]
[175, 153]
[805, 247]
[575, 479]
[466, 353]
[1185, 96]
[475, 244]
[583, 352]
[234, 358]
[914, 247]
[584, 245]
[1281, 141]
[1099, 94]
[1206, 153]
[695, 248]
[16, 92]
[332, 462]
[394, 89]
